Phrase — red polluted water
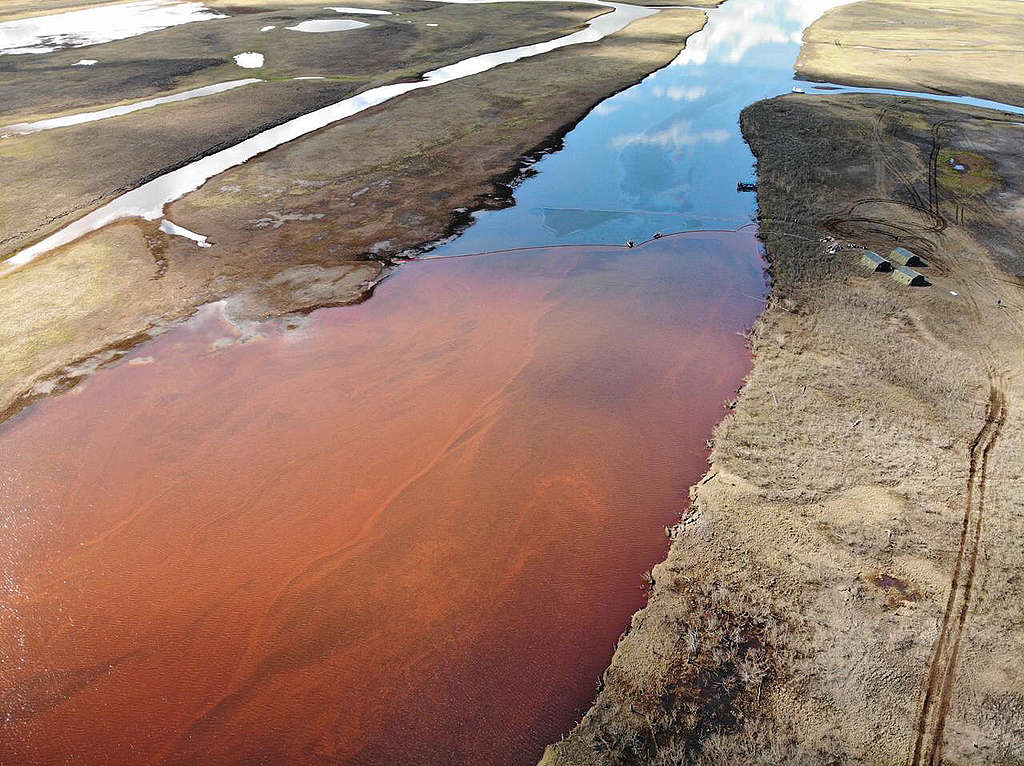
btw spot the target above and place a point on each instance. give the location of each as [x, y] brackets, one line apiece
[404, 532]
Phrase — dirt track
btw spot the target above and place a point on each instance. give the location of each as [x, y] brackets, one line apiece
[938, 691]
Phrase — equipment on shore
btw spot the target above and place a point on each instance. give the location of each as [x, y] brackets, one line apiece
[903, 257]
[908, 276]
[874, 261]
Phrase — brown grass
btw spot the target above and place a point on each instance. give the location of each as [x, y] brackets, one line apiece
[844, 460]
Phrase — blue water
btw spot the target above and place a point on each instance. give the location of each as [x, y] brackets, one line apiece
[666, 154]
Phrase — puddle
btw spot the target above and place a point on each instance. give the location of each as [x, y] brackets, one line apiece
[387, 533]
[102, 24]
[899, 590]
[327, 25]
[24, 128]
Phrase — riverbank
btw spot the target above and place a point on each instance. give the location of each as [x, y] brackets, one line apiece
[948, 47]
[308, 225]
[840, 589]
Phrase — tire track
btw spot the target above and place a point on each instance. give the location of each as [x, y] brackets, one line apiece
[937, 695]
[892, 114]
[938, 691]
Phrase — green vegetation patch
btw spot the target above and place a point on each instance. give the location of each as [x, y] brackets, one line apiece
[966, 173]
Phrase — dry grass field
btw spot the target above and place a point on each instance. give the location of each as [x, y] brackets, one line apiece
[844, 586]
[945, 46]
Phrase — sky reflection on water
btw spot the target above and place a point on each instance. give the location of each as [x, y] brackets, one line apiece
[666, 154]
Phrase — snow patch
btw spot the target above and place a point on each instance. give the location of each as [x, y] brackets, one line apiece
[327, 25]
[92, 26]
[167, 227]
[249, 60]
[363, 11]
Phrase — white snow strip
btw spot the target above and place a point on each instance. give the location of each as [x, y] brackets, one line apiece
[267, 28]
[180, 231]
[91, 26]
[364, 11]
[249, 60]
[24, 128]
[85, 62]
[327, 25]
[148, 201]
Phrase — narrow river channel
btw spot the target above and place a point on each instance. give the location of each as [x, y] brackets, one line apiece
[408, 531]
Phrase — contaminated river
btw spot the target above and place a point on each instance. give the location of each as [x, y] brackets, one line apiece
[408, 531]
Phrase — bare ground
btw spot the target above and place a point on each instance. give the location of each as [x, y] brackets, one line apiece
[844, 587]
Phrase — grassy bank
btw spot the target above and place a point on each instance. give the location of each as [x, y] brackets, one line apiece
[948, 46]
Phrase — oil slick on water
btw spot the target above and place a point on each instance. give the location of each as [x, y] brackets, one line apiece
[341, 533]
